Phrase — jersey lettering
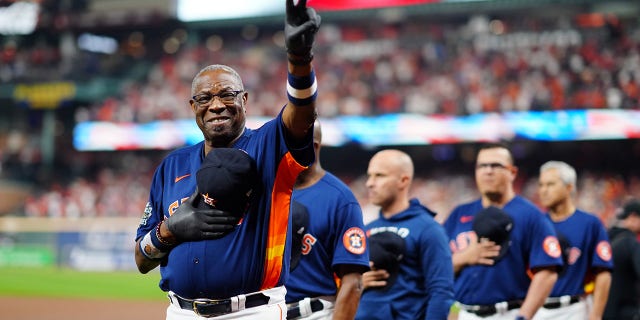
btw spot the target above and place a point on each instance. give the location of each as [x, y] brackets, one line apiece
[462, 241]
[402, 232]
[174, 205]
[574, 254]
[307, 242]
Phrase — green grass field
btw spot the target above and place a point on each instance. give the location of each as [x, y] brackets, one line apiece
[58, 282]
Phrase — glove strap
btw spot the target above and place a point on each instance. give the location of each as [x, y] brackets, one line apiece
[302, 90]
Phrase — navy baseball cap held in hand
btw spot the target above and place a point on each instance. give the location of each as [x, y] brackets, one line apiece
[386, 251]
[631, 207]
[496, 225]
[226, 179]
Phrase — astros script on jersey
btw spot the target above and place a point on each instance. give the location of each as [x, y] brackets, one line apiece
[533, 244]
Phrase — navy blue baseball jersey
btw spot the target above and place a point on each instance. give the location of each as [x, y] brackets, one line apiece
[590, 249]
[533, 244]
[423, 287]
[255, 256]
[335, 236]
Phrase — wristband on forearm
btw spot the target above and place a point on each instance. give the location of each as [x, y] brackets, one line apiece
[159, 242]
[153, 246]
[302, 90]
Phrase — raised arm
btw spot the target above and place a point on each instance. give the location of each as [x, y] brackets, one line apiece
[300, 29]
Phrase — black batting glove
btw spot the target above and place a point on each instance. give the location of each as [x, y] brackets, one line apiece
[190, 223]
[300, 28]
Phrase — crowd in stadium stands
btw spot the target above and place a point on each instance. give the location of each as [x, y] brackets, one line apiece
[124, 194]
[415, 66]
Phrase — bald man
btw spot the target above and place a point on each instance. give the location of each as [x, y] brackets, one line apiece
[411, 273]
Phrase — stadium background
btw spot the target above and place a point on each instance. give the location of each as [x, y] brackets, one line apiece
[95, 95]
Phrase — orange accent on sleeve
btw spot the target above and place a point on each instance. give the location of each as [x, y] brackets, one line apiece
[288, 171]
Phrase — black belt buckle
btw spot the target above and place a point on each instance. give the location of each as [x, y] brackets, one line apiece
[211, 308]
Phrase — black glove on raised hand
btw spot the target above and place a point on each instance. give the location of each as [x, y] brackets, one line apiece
[190, 223]
[300, 29]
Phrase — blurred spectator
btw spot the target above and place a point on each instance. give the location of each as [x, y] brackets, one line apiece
[417, 67]
[427, 66]
[624, 297]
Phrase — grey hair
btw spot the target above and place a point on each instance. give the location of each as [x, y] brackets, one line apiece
[566, 172]
[215, 67]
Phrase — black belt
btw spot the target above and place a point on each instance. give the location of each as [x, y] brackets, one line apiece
[557, 302]
[293, 309]
[491, 309]
[212, 308]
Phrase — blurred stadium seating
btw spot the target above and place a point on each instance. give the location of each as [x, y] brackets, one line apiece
[454, 59]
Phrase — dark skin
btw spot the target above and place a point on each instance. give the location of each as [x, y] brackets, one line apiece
[222, 125]
[349, 293]
[350, 275]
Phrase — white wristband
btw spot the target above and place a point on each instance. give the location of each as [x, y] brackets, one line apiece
[302, 90]
[149, 250]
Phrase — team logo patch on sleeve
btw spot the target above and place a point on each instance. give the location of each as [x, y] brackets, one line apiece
[147, 213]
[551, 246]
[603, 249]
[354, 240]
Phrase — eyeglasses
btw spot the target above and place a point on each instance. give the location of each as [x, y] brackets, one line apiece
[226, 97]
[491, 165]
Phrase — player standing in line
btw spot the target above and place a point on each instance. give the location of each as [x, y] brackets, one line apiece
[334, 245]
[515, 286]
[588, 253]
[422, 286]
[239, 275]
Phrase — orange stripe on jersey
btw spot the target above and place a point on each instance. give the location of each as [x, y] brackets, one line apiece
[288, 171]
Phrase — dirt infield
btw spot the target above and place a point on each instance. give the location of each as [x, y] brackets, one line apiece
[69, 309]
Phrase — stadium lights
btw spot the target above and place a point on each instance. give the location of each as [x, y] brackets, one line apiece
[192, 10]
[19, 18]
[99, 44]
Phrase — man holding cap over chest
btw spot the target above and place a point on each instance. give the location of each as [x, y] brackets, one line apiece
[505, 253]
